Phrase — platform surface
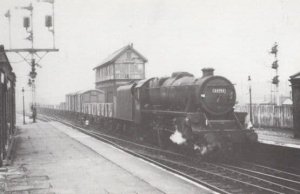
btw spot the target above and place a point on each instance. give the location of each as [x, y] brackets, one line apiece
[280, 137]
[59, 159]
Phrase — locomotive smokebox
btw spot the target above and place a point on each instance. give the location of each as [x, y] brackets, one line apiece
[207, 72]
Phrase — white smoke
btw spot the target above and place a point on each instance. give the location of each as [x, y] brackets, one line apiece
[177, 138]
[205, 149]
[249, 125]
[87, 122]
[202, 149]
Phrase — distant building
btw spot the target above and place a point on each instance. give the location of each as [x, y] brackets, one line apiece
[285, 100]
[121, 67]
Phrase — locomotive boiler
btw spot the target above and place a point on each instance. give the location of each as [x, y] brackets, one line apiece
[214, 95]
[196, 112]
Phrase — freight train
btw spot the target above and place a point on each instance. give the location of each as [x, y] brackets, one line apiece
[196, 113]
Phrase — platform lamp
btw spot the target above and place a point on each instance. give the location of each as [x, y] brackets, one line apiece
[23, 106]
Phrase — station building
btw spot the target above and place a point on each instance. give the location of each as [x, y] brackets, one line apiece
[122, 66]
[295, 83]
[7, 104]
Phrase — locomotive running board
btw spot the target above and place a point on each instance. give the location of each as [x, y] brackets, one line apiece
[222, 124]
[219, 130]
[233, 122]
[163, 112]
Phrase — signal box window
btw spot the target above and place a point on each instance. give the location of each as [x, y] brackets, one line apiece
[128, 55]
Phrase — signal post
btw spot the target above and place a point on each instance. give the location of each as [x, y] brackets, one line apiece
[36, 54]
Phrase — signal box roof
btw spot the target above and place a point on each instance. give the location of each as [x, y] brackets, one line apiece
[115, 55]
[295, 76]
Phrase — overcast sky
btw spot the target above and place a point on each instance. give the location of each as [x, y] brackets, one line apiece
[234, 37]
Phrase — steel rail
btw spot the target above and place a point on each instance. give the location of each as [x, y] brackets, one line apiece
[270, 169]
[259, 180]
[196, 174]
[271, 177]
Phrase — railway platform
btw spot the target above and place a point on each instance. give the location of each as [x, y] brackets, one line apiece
[280, 137]
[50, 157]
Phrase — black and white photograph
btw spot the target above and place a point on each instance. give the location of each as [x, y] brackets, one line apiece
[149, 96]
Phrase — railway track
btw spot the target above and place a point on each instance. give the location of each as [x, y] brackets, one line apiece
[239, 177]
[264, 172]
[278, 157]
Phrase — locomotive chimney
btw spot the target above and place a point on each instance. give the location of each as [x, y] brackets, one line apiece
[207, 72]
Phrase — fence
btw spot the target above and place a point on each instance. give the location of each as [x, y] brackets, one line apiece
[270, 115]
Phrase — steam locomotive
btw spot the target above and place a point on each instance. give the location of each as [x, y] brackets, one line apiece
[196, 113]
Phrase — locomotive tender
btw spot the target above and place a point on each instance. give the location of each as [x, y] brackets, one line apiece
[193, 112]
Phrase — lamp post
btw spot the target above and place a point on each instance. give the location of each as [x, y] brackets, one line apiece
[250, 99]
[23, 107]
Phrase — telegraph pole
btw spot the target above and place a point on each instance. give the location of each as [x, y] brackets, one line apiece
[23, 106]
[250, 99]
[34, 53]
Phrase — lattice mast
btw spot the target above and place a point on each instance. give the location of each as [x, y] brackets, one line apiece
[33, 52]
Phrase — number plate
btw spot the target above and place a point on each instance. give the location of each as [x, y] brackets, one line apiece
[219, 90]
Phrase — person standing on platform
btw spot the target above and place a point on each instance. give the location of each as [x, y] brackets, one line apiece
[33, 114]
